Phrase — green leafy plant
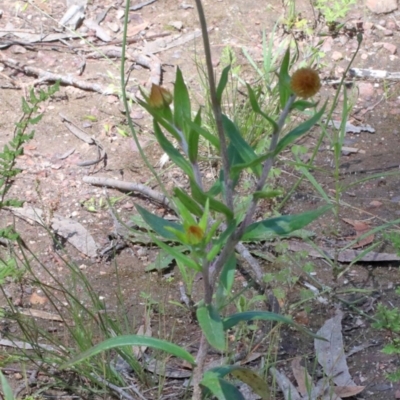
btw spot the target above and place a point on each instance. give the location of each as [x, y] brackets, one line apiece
[388, 319]
[334, 11]
[11, 151]
[213, 221]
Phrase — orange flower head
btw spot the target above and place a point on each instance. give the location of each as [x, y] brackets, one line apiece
[195, 234]
[305, 82]
[159, 97]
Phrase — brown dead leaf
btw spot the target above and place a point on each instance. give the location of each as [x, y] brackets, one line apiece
[37, 299]
[134, 30]
[361, 228]
[302, 377]
[144, 330]
[348, 391]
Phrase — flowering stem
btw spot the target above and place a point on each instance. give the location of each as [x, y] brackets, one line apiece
[216, 107]
[236, 236]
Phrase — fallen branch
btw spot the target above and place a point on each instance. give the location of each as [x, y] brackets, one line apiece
[128, 187]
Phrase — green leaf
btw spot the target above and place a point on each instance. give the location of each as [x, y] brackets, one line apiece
[222, 83]
[283, 225]
[252, 164]
[159, 224]
[213, 140]
[220, 388]
[172, 152]
[303, 105]
[212, 327]
[267, 194]
[202, 198]
[251, 378]
[284, 79]
[245, 151]
[182, 110]
[7, 391]
[25, 107]
[187, 261]
[228, 273]
[234, 319]
[132, 340]
[256, 107]
[193, 140]
[188, 202]
[299, 130]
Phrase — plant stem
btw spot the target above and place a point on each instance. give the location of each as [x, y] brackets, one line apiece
[127, 110]
[216, 106]
[236, 236]
[198, 371]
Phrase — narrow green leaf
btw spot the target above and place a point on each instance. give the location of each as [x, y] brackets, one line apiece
[256, 107]
[284, 79]
[26, 109]
[242, 147]
[222, 83]
[299, 130]
[193, 141]
[252, 164]
[281, 226]
[6, 388]
[220, 388]
[212, 327]
[215, 205]
[172, 152]
[188, 202]
[234, 319]
[159, 224]
[267, 194]
[133, 340]
[228, 273]
[303, 105]
[187, 261]
[182, 110]
[213, 140]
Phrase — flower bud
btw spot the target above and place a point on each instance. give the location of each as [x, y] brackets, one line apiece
[305, 82]
[159, 97]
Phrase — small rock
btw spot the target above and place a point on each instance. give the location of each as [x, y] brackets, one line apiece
[368, 25]
[18, 376]
[16, 49]
[382, 22]
[375, 203]
[337, 55]
[381, 6]
[391, 25]
[178, 25]
[327, 45]
[390, 47]
[366, 90]
[364, 56]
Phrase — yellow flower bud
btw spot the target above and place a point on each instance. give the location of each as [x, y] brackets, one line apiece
[159, 97]
[194, 234]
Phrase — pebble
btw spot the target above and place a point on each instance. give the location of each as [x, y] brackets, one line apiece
[366, 90]
[375, 203]
[337, 55]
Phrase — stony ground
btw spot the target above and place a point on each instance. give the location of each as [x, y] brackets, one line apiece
[165, 33]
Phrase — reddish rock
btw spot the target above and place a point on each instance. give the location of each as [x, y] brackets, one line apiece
[381, 6]
[366, 90]
[337, 55]
[375, 203]
[390, 47]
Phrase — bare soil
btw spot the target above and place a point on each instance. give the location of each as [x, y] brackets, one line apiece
[54, 184]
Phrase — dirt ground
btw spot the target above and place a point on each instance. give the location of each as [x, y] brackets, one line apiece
[52, 180]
